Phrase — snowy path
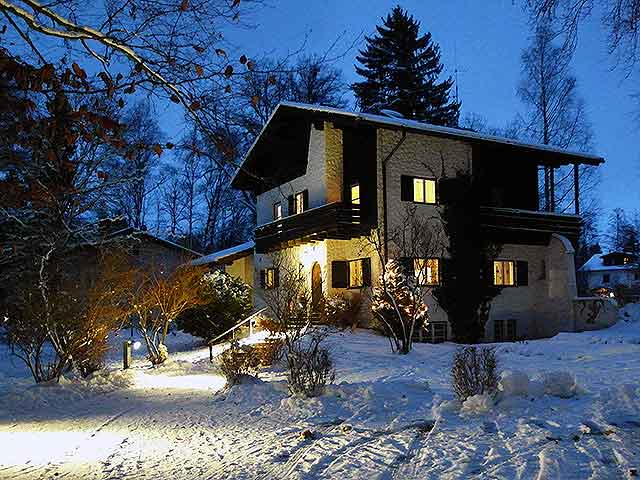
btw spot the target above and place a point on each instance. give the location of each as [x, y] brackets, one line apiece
[175, 422]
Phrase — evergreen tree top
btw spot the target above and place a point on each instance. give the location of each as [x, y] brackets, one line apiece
[401, 69]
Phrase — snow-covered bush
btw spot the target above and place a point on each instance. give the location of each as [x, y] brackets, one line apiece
[270, 351]
[480, 403]
[310, 368]
[398, 306]
[342, 310]
[238, 362]
[559, 384]
[514, 383]
[474, 372]
[225, 301]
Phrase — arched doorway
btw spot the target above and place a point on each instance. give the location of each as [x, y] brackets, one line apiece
[316, 287]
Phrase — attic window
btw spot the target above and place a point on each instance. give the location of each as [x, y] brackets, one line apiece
[277, 211]
[299, 202]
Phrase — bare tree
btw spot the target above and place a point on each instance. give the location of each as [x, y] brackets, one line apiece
[171, 201]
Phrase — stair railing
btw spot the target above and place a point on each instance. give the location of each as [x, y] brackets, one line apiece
[251, 319]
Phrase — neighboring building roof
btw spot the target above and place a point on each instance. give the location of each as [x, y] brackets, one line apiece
[149, 236]
[596, 264]
[412, 125]
[227, 255]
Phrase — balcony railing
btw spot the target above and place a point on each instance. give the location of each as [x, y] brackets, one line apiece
[507, 225]
[335, 220]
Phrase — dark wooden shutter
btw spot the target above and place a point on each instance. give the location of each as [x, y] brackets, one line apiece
[406, 188]
[339, 274]
[305, 200]
[522, 272]
[446, 271]
[263, 281]
[291, 210]
[407, 265]
[276, 277]
[366, 272]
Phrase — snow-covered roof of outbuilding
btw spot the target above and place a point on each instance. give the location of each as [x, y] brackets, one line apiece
[227, 255]
[596, 264]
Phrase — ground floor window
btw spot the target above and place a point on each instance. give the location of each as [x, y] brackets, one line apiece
[427, 270]
[436, 332]
[504, 330]
[269, 278]
[504, 272]
[356, 278]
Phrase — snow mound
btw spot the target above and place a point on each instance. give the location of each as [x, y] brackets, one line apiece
[253, 393]
[480, 403]
[559, 384]
[620, 404]
[388, 404]
[513, 383]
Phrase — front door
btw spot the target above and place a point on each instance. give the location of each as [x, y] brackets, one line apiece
[316, 287]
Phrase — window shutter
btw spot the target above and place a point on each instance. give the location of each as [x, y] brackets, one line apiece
[339, 274]
[406, 188]
[305, 200]
[291, 210]
[446, 271]
[263, 279]
[366, 272]
[407, 265]
[522, 272]
[276, 277]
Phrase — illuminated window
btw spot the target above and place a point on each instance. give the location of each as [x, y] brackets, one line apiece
[424, 190]
[503, 273]
[355, 194]
[299, 203]
[356, 278]
[277, 211]
[270, 278]
[426, 270]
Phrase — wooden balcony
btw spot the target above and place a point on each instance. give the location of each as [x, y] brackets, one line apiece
[506, 225]
[334, 220]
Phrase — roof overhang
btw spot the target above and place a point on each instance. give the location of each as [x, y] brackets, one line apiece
[280, 149]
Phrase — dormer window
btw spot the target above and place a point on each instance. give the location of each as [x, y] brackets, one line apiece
[277, 211]
[355, 194]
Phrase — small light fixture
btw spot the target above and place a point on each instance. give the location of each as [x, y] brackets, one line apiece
[612, 295]
[137, 345]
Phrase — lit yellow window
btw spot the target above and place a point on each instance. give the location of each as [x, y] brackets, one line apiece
[355, 194]
[299, 202]
[424, 190]
[355, 274]
[270, 278]
[277, 211]
[503, 272]
[426, 270]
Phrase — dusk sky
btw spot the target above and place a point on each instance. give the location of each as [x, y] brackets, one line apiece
[485, 40]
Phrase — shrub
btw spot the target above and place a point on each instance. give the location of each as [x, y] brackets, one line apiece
[225, 301]
[270, 351]
[310, 369]
[474, 372]
[342, 310]
[238, 361]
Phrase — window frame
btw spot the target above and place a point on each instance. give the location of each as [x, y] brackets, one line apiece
[351, 187]
[418, 277]
[514, 274]
[270, 273]
[430, 333]
[276, 206]
[606, 278]
[300, 196]
[424, 190]
[505, 325]
[361, 262]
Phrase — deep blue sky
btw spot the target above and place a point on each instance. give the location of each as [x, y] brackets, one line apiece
[485, 40]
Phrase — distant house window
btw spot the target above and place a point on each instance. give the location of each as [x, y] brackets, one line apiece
[504, 330]
[424, 190]
[606, 278]
[427, 270]
[626, 260]
[355, 194]
[504, 273]
[436, 332]
[277, 211]
[269, 278]
[299, 203]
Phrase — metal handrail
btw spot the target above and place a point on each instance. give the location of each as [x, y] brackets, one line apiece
[249, 319]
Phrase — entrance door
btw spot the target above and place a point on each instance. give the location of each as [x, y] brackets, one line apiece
[316, 287]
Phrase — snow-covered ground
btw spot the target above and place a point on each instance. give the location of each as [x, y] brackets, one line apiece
[388, 416]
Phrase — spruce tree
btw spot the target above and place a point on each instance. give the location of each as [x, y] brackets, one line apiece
[401, 70]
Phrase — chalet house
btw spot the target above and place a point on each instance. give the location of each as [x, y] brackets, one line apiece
[325, 178]
[604, 273]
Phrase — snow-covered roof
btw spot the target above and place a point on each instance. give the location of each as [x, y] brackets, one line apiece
[227, 254]
[398, 122]
[596, 264]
